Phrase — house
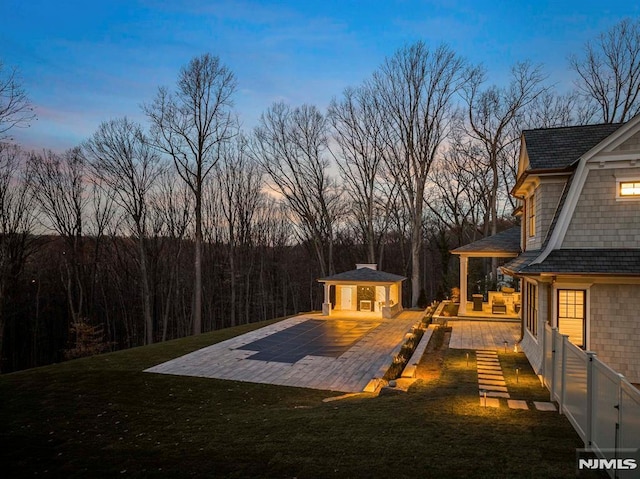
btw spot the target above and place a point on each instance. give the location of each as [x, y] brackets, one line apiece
[578, 190]
[364, 289]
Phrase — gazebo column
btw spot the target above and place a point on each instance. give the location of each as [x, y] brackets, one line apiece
[464, 263]
[387, 295]
[326, 305]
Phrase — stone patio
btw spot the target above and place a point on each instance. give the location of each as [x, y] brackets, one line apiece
[312, 351]
[476, 334]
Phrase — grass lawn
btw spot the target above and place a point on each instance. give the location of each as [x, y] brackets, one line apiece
[104, 417]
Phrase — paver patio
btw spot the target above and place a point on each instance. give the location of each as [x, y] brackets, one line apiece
[312, 351]
[489, 335]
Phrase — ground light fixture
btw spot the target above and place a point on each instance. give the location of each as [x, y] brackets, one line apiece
[505, 346]
[467, 359]
[484, 395]
[517, 375]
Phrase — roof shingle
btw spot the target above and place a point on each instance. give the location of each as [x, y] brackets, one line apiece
[364, 275]
[622, 262]
[550, 148]
[507, 241]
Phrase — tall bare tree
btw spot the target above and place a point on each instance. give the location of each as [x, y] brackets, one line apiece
[609, 72]
[173, 213]
[415, 88]
[359, 151]
[128, 166]
[190, 125]
[60, 192]
[491, 116]
[291, 145]
[239, 180]
[16, 221]
[15, 108]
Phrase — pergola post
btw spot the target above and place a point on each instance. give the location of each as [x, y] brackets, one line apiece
[326, 305]
[464, 263]
[387, 295]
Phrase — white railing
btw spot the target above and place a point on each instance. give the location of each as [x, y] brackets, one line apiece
[602, 406]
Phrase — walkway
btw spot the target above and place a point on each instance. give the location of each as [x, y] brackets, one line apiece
[477, 334]
[311, 351]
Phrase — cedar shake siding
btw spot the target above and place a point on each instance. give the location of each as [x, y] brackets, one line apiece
[618, 222]
[615, 327]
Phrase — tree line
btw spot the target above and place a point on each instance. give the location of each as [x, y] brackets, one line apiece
[185, 224]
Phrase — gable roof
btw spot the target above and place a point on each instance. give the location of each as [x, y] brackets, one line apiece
[364, 275]
[507, 241]
[558, 148]
[619, 262]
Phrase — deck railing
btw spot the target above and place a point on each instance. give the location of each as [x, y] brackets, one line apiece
[602, 406]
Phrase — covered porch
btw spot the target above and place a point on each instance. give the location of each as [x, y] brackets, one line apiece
[364, 290]
[502, 304]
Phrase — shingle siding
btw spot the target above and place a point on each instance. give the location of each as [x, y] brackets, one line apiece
[615, 327]
[547, 196]
[632, 144]
[599, 221]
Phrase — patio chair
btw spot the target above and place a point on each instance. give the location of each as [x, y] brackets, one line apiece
[498, 306]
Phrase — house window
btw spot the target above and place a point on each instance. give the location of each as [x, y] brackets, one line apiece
[571, 315]
[531, 304]
[531, 209]
[628, 189]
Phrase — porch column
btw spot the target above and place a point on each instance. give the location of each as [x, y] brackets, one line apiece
[387, 295]
[464, 262]
[326, 305]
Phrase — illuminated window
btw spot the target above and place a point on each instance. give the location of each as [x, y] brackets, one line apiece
[629, 188]
[531, 208]
[571, 315]
[531, 305]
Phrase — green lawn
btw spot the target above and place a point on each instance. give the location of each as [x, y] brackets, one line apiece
[104, 417]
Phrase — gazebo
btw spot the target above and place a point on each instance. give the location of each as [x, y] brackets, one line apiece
[505, 244]
[364, 289]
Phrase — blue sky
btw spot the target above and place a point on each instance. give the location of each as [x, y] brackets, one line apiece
[86, 62]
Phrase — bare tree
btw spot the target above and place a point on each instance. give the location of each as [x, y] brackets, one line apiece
[171, 206]
[491, 115]
[415, 88]
[60, 192]
[123, 159]
[239, 181]
[291, 145]
[15, 107]
[190, 125]
[609, 72]
[16, 221]
[357, 131]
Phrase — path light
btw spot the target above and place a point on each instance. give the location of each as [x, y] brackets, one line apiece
[515, 348]
[484, 394]
[517, 374]
[467, 359]
[505, 346]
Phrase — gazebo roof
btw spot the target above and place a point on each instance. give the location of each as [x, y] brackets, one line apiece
[364, 275]
[506, 242]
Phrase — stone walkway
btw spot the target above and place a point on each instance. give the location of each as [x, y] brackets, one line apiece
[310, 350]
[486, 335]
[492, 386]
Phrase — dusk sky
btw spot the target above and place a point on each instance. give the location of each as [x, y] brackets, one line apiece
[86, 62]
